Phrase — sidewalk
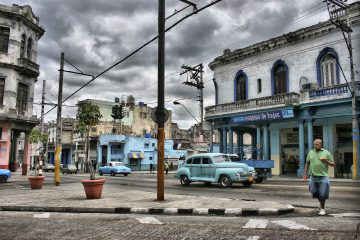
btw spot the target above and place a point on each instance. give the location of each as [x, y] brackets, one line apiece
[16, 195]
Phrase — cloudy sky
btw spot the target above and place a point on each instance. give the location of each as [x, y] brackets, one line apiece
[96, 34]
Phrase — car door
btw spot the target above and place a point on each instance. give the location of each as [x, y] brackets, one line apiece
[207, 168]
[107, 168]
[195, 168]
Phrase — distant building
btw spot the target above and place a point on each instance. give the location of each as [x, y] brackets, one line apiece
[20, 32]
[136, 152]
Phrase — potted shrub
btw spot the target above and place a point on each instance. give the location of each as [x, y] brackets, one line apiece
[36, 181]
[88, 116]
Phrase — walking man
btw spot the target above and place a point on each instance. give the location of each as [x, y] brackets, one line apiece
[151, 167]
[166, 167]
[318, 161]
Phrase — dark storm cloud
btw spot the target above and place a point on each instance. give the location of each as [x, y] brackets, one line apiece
[96, 34]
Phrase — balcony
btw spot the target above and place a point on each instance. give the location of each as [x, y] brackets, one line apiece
[339, 91]
[280, 100]
[28, 68]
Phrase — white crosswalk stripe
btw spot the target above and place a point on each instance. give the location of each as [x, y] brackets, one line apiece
[253, 238]
[256, 223]
[42, 215]
[149, 220]
[346, 215]
[292, 225]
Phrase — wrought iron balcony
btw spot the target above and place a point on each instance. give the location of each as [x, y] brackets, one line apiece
[285, 99]
[28, 68]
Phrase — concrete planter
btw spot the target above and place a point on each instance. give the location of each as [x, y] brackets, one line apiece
[36, 182]
[93, 188]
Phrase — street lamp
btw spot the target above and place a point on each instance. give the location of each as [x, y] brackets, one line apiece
[202, 131]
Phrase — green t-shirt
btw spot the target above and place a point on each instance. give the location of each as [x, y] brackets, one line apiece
[317, 167]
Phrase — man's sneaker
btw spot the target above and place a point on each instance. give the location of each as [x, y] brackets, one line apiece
[322, 212]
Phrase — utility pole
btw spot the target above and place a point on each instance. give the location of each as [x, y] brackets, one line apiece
[58, 123]
[196, 74]
[41, 150]
[337, 17]
[160, 112]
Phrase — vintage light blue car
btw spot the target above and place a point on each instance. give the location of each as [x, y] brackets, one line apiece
[5, 174]
[215, 168]
[114, 168]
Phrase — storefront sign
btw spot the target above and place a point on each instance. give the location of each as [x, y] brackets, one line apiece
[264, 116]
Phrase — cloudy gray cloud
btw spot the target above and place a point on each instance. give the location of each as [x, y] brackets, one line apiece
[96, 34]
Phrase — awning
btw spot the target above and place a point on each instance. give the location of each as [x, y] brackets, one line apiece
[136, 155]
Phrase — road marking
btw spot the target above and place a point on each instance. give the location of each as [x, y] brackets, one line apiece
[42, 215]
[149, 220]
[253, 238]
[292, 225]
[346, 215]
[256, 223]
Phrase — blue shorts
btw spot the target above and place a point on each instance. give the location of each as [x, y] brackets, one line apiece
[319, 187]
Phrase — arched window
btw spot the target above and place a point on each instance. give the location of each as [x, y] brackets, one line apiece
[29, 49]
[279, 77]
[327, 68]
[240, 86]
[22, 47]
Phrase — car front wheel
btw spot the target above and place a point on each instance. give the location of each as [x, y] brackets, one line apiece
[125, 174]
[225, 181]
[184, 180]
[112, 173]
[100, 173]
[3, 179]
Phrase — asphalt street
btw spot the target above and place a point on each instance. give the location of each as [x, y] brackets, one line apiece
[341, 222]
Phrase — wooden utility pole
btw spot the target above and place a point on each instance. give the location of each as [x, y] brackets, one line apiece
[58, 123]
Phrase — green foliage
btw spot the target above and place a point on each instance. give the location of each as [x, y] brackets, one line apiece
[88, 115]
[36, 136]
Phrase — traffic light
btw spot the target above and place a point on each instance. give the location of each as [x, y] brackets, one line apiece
[115, 110]
[120, 113]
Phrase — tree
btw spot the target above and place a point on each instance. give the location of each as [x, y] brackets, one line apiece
[39, 139]
[88, 115]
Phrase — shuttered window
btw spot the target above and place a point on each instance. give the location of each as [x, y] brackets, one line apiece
[22, 95]
[328, 70]
[4, 39]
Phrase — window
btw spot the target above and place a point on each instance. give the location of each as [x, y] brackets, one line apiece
[328, 70]
[206, 161]
[4, 39]
[259, 85]
[93, 129]
[147, 145]
[241, 88]
[189, 161]
[29, 49]
[22, 95]
[133, 161]
[22, 47]
[150, 158]
[153, 144]
[2, 90]
[196, 161]
[280, 79]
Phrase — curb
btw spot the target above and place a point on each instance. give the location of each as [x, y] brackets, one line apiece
[229, 212]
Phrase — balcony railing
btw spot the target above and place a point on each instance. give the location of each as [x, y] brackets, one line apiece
[29, 68]
[332, 90]
[285, 99]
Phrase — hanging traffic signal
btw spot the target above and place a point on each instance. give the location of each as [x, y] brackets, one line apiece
[120, 113]
[115, 111]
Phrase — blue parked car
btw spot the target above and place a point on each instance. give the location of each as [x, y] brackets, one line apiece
[4, 175]
[114, 168]
[215, 168]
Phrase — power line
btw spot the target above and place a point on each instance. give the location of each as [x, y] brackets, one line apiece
[137, 50]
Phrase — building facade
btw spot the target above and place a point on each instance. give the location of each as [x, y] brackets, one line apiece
[136, 152]
[20, 32]
[287, 91]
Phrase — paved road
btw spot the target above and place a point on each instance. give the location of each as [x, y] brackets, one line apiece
[343, 197]
[27, 225]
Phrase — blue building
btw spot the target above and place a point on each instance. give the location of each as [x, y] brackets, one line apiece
[288, 91]
[137, 153]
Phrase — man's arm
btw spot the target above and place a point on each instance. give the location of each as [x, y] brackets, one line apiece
[328, 162]
[306, 168]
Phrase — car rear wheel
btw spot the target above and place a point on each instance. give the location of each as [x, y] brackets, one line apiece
[225, 181]
[259, 180]
[100, 173]
[125, 174]
[112, 173]
[184, 180]
[3, 179]
[247, 184]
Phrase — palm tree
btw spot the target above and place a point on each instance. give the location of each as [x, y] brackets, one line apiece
[88, 115]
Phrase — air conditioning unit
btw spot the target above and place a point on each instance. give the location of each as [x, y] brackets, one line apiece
[306, 86]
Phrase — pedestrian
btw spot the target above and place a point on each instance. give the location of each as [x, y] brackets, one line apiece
[166, 167]
[318, 161]
[151, 168]
[77, 165]
[171, 166]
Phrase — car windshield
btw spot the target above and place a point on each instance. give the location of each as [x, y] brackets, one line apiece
[221, 158]
[118, 164]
